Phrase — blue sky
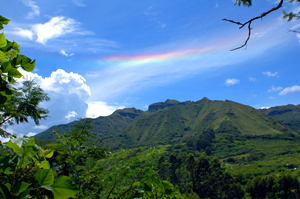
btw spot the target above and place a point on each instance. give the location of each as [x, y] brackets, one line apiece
[94, 57]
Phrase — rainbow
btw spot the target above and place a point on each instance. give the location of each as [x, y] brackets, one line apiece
[159, 57]
[194, 53]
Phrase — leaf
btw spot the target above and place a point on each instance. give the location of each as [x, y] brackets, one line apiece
[14, 147]
[8, 185]
[3, 57]
[45, 164]
[20, 187]
[49, 153]
[41, 151]
[6, 67]
[3, 41]
[26, 63]
[45, 177]
[5, 192]
[4, 21]
[8, 171]
[20, 141]
[13, 72]
[63, 188]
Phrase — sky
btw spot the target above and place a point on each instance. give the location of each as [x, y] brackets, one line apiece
[93, 57]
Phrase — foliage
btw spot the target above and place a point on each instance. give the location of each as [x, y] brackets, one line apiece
[24, 171]
[23, 104]
[10, 61]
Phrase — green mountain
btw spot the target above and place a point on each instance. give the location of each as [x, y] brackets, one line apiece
[173, 122]
[103, 126]
[288, 115]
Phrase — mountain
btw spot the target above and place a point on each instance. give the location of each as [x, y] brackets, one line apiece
[288, 115]
[103, 126]
[173, 122]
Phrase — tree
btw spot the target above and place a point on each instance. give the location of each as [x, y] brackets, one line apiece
[248, 3]
[10, 61]
[24, 104]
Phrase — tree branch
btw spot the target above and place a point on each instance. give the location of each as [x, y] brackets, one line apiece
[251, 20]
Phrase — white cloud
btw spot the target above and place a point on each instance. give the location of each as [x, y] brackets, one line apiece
[56, 27]
[62, 82]
[24, 33]
[30, 134]
[270, 74]
[99, 108]
[264, 107]
[290, 90]
[42, 127]
[71, 114]
[35, 9]
[230, 82]
[62, 52]
[275, 89]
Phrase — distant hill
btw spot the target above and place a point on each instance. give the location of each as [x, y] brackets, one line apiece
[182, 121]
[288, 115]
[103, 126]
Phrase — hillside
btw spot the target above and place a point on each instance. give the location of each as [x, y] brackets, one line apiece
[102, 125]
[183, 121]
[288, 115]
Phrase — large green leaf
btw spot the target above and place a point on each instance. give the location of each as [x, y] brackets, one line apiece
[26, 63]
[45, 177]
[14, 73]
[20, 187]
[3, 57]
[45, 164]
[3, 41]
[14, 147]
[49, 153]
[6, 67]
[4, 21]
[62, 188]
[23, 141]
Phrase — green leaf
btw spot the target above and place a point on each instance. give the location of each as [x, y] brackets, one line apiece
[14, 73]
[20, 141]
[8, 170]
[8, 185]
[3, 57]
[45, 164]
[5, 192]
[3, 41]
[41, 151]
[14, 147]
[45, 177]
[20, 187]
[31, 142]
[6, 67]
[63, 188]
[49, 153]
[4, 21]
[26, 63]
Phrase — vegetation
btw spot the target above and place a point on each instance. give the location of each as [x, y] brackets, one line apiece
[203, 149]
